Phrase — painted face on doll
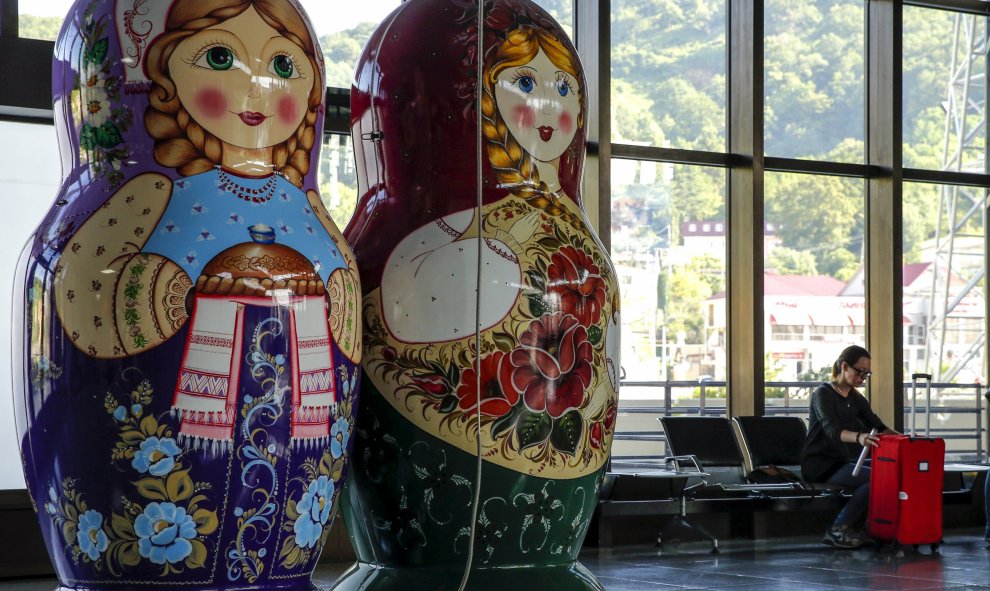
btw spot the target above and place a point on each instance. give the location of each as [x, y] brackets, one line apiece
[243, 82]
[540, 105]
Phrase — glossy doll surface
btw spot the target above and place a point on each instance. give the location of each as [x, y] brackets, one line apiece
[490, 306]
[190, 343]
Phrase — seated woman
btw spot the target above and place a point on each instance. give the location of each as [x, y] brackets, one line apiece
[839, 423]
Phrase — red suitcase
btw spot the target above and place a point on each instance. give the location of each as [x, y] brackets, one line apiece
[906, 490]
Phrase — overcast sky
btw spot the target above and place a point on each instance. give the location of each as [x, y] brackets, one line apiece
[328, 16]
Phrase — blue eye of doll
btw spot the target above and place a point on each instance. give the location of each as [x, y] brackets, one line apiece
[562, 87]
[526, 84]
[219, 58]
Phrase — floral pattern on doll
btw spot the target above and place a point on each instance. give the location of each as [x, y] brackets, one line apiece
[83, 529]
[537, 365]
[98, 111]
[309, 515]
[314, 511]
[165, 533]
[173, 528]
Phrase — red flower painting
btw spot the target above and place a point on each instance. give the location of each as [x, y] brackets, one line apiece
[497, 395]
[552, 366]
[575, 285]
[595, 436]
[432, 384]
[610, 412]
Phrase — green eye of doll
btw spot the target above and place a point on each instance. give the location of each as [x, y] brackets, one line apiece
[219, 58]
[282, 66]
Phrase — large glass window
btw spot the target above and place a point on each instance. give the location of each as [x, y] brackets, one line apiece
[668, 73]
[562, 11]
[813, 293]
[30, 176]
[329, 18]
[815, 54]
[338, 179]
[944, 305]
[41, 19]
[945, 81]
[668, 246]
[343, 32]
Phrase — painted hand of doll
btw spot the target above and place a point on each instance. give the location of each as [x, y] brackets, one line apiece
[527, 225]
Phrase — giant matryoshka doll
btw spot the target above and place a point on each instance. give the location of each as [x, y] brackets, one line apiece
[490, 306]
[190, 345]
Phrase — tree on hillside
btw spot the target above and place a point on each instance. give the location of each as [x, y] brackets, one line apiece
[820, 215]
[814, 76]
[341, 52]
[45, 28]
[787, 261]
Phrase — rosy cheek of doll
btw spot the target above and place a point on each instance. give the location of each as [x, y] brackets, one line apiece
[566, 122]
[525, 116]
[288, 110]
[211, 102]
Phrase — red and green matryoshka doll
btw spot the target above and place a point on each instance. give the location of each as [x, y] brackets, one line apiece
[490, 306]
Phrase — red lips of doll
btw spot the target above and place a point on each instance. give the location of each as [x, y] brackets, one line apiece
[252, 118]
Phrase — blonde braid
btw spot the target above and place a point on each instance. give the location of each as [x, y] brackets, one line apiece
[292, 157]
[181, 142]
[513, 166]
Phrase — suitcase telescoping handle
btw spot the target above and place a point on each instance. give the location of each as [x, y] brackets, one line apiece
[914, 403]
[862, 455]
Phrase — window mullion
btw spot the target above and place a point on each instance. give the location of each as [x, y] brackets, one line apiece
[884, 224]
[745, 210]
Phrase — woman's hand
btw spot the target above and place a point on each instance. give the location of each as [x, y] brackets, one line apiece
[867, 440]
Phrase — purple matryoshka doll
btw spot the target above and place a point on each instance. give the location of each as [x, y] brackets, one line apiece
[190, 345]
[490, 306]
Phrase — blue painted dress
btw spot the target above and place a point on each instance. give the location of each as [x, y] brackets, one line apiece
[230, 430]
[204, 217]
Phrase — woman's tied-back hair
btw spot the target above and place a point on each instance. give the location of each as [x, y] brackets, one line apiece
[513, 166]
[183, 144]
[850, 356]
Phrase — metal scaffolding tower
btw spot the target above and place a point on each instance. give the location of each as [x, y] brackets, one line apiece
[956, 330]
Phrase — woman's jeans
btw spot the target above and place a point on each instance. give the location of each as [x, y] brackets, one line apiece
[861, 496]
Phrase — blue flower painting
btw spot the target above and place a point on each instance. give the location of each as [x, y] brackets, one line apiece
[339, 434]
[156, 456]
[91, 538]
[314, 511]
[164, 533]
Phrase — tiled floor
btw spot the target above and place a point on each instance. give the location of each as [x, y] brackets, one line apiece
[798, 564]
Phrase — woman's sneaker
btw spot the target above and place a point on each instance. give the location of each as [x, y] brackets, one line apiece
[844, 537]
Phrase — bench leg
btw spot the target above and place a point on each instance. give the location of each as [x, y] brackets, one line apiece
[685, 522]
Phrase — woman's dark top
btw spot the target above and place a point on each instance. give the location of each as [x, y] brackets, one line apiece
[824, 453]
